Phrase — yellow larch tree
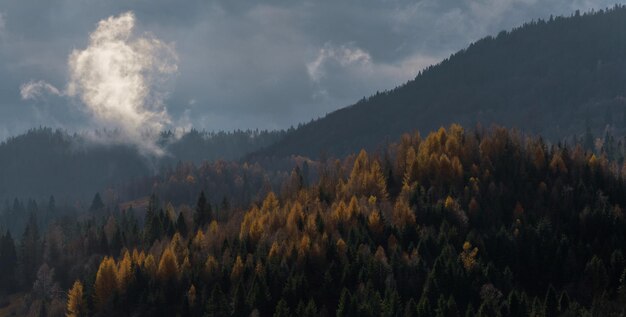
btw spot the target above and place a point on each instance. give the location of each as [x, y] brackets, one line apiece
[270, 204]
[304, 246]
[179, 247]
[76, 306]
[557, 165]
[106, 282]
[274, 250]
[211, 266]
[168, 266]
[378, 182]
[353, 209]
[342, 248]
[468, 256]
[402, 215]
[149, 265]
[124, 272]
[295, 218]
[374, 222]
[249, 217]
[237, 270]
[191, 295]
[138, 257]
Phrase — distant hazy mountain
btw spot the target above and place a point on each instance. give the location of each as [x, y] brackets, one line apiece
[44, 162]
[554, 77]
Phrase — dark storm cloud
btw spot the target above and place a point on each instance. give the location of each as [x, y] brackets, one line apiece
[251, 64]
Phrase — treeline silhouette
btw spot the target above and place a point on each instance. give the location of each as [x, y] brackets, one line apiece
[559, 78]
[45, 162]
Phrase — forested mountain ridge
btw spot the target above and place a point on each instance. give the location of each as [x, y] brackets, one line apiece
[558, 78]
[485, 223]
[45, 162]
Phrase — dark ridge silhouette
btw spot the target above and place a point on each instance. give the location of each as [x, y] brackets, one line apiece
[556, 78]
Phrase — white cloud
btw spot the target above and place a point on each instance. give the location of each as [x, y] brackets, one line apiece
[37, 89]
[118, 78]
[345, 55]
[348, 62]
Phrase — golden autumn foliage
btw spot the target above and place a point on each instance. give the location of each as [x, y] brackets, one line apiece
[295, 218]
[168, 266]
[468, 256]
[341, 247]
[274, 250]
[353, 208]
[402, 214]
[191, 295]
[251, 217]
[259, 269]
[557, 165]
[138, 257]
[186, 266]
[374, 222]
[270, 204]
[304, 246]
[380, 255]
[593, 161]
[124, 272]
[366, 178]
[106, 282]
[450, 203]
[198, 243]
[237, 270]
[214, 227]
[76, 305]
[340, 213]
[211, 266]
[256, 230]
[149, 265]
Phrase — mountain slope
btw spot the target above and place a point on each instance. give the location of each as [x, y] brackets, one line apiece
[43, 162]
[554, 77]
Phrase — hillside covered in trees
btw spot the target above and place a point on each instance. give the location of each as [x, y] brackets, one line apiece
[45, 162]
[458, 223]
[560, 78]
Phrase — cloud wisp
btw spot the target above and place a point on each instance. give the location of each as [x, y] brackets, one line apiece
[36, 89]
[120, 79]
[345, 55]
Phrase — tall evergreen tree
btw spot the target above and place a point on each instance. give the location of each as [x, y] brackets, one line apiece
[30, 255]
[203, 214]
[8, 262]
[96, 203]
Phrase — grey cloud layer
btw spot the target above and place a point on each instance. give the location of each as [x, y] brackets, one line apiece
[244, 64]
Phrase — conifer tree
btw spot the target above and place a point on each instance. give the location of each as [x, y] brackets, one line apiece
[551, 304]
[282, 310]
[76, 306]
[203, 214]
[168, 266]
[30, 251]
[106, 282]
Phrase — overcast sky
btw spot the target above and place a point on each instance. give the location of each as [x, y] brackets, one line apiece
[247, 64]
